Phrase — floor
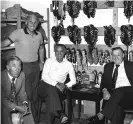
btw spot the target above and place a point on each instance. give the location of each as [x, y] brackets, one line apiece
[127, 120]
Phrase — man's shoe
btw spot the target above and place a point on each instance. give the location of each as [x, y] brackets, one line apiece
[64, 119]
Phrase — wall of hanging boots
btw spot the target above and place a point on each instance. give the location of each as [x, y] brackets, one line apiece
[89, 58]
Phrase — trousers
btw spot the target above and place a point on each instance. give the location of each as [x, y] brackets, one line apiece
[121, 99]
[32, 72]
[53, 98]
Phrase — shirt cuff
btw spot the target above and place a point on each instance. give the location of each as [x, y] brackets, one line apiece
[69, 85]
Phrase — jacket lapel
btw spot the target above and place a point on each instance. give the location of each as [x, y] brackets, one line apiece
[127, 70]
[7, 83]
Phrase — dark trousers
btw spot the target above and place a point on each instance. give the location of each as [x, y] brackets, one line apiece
[53, 98]
[32, 72]
[121, 98]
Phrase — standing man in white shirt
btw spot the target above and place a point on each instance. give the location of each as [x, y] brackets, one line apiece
[117, 88]
[52, 85]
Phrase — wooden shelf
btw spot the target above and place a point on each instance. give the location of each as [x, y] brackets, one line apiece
[100, 31]
[8, 48]
[10, 20]
[102, 5]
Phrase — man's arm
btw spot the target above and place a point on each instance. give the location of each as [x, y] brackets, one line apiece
[41, 53]
[45, 73]
[11, 39]
[6, 43]
[72, 76]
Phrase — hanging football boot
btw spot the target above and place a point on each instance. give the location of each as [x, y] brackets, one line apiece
[109, 35]
[59, 9]
[79, 57]
[73, 51]
[89, 8]
[89, 53]
[74, 34]
[57, 31]
[107, 58]
[128, 9]
[125, 55]
[73, 8]
[100, 57]
[84, 59]
[95, 56]
[68, 55]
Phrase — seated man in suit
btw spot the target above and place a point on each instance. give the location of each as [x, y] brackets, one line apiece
[14, 98]
[117, 88]
[52, 85]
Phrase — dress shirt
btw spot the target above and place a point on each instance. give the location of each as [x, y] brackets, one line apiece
[10, 77]
[122, 79]
[54, 72]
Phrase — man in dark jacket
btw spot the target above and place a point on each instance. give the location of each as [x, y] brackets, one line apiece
[14, 98]
[117, 88]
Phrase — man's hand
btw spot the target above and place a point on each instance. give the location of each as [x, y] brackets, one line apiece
[41, 64]
[106, 94]
[26, 106]
[60, 86]
[21, 109]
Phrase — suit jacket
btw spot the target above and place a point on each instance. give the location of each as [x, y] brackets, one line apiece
[106, 81]
[6, 90]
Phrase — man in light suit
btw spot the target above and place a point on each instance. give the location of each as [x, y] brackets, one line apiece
[13, 107]
[119, 96]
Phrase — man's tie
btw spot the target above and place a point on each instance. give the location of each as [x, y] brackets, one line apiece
[13, 90]
[114, 78]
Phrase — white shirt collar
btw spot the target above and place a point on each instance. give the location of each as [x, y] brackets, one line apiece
[121, 65]
[60, 62]
[10, 77]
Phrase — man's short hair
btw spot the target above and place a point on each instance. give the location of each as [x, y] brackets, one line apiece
[59, 45]
[12, 58]
[117, 48]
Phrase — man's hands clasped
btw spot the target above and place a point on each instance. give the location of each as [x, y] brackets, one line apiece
[24, 109]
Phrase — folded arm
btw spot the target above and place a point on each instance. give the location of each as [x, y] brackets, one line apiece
[45, 74]
[72, 76]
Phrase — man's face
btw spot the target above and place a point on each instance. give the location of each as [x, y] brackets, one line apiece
[117, 56]
[32, 23]
[14, 68]
[59, 54]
